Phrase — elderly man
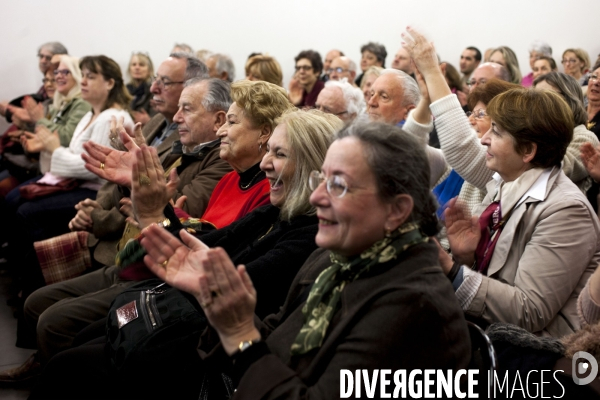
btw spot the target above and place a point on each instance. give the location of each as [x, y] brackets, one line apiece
[469, 61]
[341, 99]
[58, 312]
[342, 67]
[402, 62]
[221, 66]
[329, 57]
[487, 71]
[393, 95]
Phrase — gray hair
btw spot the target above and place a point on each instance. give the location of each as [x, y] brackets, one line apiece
[353, 96]
[224, 63]
[185, 47]
[541, 47]
[377, 49]
[218, 97]
[399, 164]
[54, 48]
[412, 94]
[570, 90]
[195, 68]
[351, 65]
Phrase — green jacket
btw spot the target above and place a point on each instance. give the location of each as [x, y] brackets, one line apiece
[65, 120]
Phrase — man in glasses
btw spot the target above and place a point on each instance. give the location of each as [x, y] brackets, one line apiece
[329, 57]
[342, 67]
[487, 71]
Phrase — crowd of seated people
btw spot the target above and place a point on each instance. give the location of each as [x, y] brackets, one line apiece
[352, 222]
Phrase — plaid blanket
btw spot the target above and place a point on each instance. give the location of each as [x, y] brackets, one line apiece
[63, 257]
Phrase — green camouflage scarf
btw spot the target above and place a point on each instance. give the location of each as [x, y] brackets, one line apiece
[324, 297]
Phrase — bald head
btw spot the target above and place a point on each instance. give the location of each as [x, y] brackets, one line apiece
[402, 61]
[342, 67]
[487, 71]
[331, 55]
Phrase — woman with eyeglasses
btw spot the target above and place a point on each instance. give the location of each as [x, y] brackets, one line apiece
[272, 242]
[576, 63]
[308, 70]
[593, 97]
[41, 217]
[519, 262]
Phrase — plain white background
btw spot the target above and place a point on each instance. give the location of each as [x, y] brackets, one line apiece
[281, 28]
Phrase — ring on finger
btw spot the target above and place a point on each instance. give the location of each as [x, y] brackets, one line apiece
[205, 305]
[164, 263]
[144, 180]
[101, 165]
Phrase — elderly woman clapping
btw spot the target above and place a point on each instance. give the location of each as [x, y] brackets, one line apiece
[371, 297]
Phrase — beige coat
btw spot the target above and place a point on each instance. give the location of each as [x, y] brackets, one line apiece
[542, 260]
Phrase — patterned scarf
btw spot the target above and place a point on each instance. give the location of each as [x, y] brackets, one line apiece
[324, 297]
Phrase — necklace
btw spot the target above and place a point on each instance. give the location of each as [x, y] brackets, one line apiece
[269, 231]
[251, 180]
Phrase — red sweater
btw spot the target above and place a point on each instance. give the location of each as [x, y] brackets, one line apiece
[229, 202]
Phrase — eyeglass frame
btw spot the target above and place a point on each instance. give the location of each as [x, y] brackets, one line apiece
[569, 61]
[594, 78]
[46, 80]
[328, 111]
[303, 68]
[339, 70]
[473, 82]
[317, 175]
[64, 72]
[478, 111]
[160, 82]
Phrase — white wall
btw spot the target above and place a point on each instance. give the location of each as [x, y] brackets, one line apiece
[279, 27]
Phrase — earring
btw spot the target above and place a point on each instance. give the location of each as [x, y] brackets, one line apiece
[260, 147]
[388, 232]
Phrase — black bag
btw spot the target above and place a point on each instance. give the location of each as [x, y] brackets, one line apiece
[153, 324]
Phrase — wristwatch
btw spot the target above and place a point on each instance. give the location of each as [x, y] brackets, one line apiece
[165, 222]
[243, 346]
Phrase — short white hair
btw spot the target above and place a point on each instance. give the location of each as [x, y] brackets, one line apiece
[539, 46]
[412, 94]
[353, 96]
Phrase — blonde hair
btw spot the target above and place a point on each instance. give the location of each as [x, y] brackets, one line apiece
[264, 68]
[309, 134]
[72, 64]
[372, 70]
[262, 102]
[512, 64]
[583, 57]
[145, 58]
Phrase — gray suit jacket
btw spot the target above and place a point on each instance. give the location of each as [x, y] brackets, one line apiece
[543, 258]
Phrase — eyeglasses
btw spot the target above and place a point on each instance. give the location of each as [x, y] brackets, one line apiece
[473, 82]
[44, 57]
[328, 111]
[47, 80]
[339, 70]
[303, 67]
[569, 61]
[477, 114]
[64, 72]
[162, 83]
[335, 184]
[593, 78]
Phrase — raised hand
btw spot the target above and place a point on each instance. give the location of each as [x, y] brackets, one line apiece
[150, 192]
[463, 232]
[117, 128]
[591, 159]
[110, 164]
[179, 264]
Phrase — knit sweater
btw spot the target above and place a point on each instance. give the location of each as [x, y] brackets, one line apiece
[67, 161]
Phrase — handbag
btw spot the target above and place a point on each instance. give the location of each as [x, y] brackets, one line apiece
[21, 166]
[150, 324]
[35, 190]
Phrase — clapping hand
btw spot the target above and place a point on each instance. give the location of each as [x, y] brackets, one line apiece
[118, 127]
[83, 219]
[110, 164]
[591, 159]
[463, 232]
